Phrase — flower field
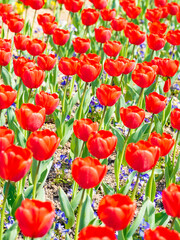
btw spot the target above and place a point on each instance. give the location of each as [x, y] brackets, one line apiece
[89, 120]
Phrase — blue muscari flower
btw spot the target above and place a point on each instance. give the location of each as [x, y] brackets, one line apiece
[63, 83]
[98, 107]
[62, 157]
[67, 117]
[176, 86]
[141, 21]
[93, 203]
[66, 170]
[174, 106]
[57, 165]
[130, 170]
[146, 120]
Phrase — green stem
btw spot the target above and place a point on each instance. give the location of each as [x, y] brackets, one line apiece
[127, 45]
[19, 87]
[152, 55]
[139, 104]
[150, 184]
[132, 56]
[135, 187]
[81, 152]
[47, 43]
[35, 180]
[25, 18]
[79, 216]
[175, 145]
[164, 113]
[3, 209]
[33, 22]
[64, 96]
[112, 81]
[82, 101]
[102, 118]
[121, 159]
[150, 128]
[29, 97]
[156, 84]
[0, 72]
[172, 223]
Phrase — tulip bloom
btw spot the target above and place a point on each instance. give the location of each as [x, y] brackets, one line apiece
[156, 41]
[102, 34]
[173, 8]
[101, 144]
[175, 118]
[114, 67]
[73, 5]
[35, 218]
[36, 4]
[91, 58]
[153, 15]
[130, 27]
[96, 232]
[88, 71]
[178, 16]
[30, 117]
[171, 200]
[43, 144]
[144, 75]
[164, 142]
[5, 8]
[112, 48]
[108, 14]
[15, 156]
[84, 127]
[157, 27]
[108, 95]
[21, 41]
[164, 12]
[125, 3]
[136, 37]
[6, 138]
[5, 43]
[81, 45]
[21, 64]
[155, 103]
[89, 16]
[46, 62]
[7, 96]
[45, 18]
[116, 211]
[68, 66]
[100, 4]
[132, 116]
[49, 28]
[160, 3]
[60, 36]
[161, 232]
[167, 85]
[88, 172]
[173, 37]
[48, 101]
[35, 47]
[142, 156]
[129, 64]
[133, 11]
[5, 56]
[33, 77]
[15, 24]
[118, 24]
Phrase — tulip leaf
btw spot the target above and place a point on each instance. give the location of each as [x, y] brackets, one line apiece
[11, 233]
[87, 213]
[6, 76]
[150, 214]
[108, 190]
[66, 208]
[138, 134]
[17, 204]
[28, 192]
[67, 237]
[108, 116]
[138, 220]
[161, 219]
[11, 195]
[125, 189]
[153, 189]
[68, 131]
[75, 202]
[158, 124]
[176, 169]
[177, 225]
[120, 137]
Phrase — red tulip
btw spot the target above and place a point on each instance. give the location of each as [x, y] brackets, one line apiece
[116, 211]
[7, 96]
[21, 41]
[33, 77]
[173, 8]
[166, 67]
[21, 64]
[101, 144]
[108, 14]
[167, 85]
[84, 127]
[153, 15]
[68, 66]
[108, 95]
[114, 67]
[160, 3]
[171, 200]
[112, 48]
[30, 117]
[81, 45]
[48, 101]
[132, 116]
[15, 162]
[102, 34]
[178, 16]
[157, 27]
[91, 58]
[5, 43]
[96, 232]
[100, 4]
[161, 232]
[45, 18]
[173, 37]
[88, 172]
[6, 138]
[15, 24]
[129, 64]
[133, 11]
[118, 24]
[25, 2]
[88, 71]
[144, 75]
[89, 16]
[164, 12]
[164, 142]
[35, 218]
[156, 41]
[130, 27]
[125, 3]
[73, 5]
[35, 47]
[46, 62]
[60, 36]
[155, 103]
[43, 144]
[5, 56]
[36, 4]
[61, 1]
[142, 156]
[136, 37]
[175, 118]
[49, 28]
[5, 8]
